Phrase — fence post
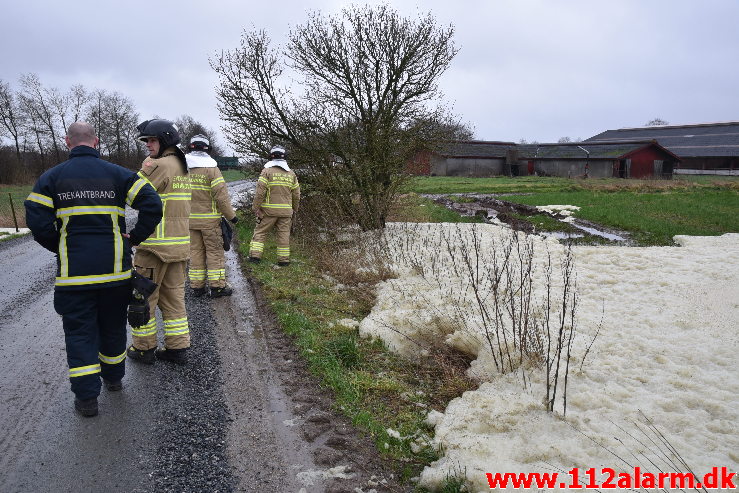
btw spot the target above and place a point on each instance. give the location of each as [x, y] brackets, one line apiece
[12, 208]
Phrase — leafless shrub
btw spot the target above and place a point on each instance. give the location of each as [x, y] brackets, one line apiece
[491, 292]
[340, 249]
[499, 293]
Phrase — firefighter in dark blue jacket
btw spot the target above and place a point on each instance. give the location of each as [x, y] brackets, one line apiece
[76, 210]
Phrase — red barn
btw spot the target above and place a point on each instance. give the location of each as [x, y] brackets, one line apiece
[632, 159]
[703, 148]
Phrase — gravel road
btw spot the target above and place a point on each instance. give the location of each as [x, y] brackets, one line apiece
[243, 415]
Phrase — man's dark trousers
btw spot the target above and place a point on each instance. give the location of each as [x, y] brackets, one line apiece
[94, 322]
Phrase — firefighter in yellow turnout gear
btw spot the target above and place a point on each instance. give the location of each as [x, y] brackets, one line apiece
[210, 201]
[163, 256]
[275, 201]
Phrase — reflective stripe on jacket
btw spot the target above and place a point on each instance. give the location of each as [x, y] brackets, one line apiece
[76, 210]
[171, 239]
[278, 192]
[210, 199]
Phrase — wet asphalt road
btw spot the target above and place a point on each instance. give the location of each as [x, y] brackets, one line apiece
[235, 418]
[166, 431]
[44, 445]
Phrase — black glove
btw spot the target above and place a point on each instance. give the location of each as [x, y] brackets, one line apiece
[134, 240]
[235, 219]
[138, 307]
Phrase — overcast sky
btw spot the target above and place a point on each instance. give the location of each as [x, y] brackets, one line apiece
[527, 69]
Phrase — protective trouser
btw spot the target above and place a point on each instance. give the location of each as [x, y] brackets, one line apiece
[207, 260]
[169, 297]
[282, 236]
[94, 322]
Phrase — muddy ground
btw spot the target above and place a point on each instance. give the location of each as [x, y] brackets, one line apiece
[321, 449]
[521, 217]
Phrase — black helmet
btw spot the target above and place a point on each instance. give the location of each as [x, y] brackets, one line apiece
[164, 130]
[277, 152]
[199, 143]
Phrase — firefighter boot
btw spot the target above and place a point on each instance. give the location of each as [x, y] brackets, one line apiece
[113, 385]
[218, 292]
[141, 355]
[178, 356]
[87, 407]
[198, 292]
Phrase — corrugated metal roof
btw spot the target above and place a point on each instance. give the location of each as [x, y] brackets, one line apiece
[700, 140]
[476, 149]
[611, 150]
[572, 150]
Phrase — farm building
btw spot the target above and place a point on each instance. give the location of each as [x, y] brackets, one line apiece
[628, 159]
[225, 162]
[631, 159]
[706, 148]
[464, 158]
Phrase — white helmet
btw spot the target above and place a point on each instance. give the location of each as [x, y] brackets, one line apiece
[199, 142]
[277, 152]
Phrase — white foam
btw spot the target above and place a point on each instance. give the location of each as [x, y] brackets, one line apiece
[667, 347]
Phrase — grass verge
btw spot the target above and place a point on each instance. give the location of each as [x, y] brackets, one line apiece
[381, 392]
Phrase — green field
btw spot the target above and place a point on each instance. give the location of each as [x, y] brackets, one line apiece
[235, 175]
[652, 211]
[525, 184]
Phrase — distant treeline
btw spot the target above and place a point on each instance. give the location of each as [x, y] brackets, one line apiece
[34, 119]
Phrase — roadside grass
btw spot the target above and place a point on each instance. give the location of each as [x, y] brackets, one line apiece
[9, 236]
[18, 194]
[376, 389]
[653, 211]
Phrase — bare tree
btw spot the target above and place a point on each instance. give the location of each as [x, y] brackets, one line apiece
[37, 117]
[11, 116]
[78, 97]
[189, 127]
[37, 103]
[94, 113]
[119, 130]
[656, 122]
[69, 105]
[369, 84]
[114, 118]
[60, 103]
